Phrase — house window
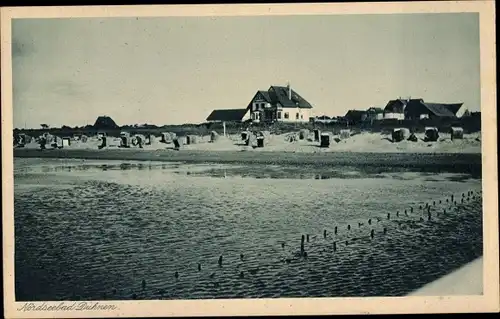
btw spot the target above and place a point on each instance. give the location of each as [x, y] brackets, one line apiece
[261, 106]
[286, 115]
[296, 116]
[279, 115]
[301, 116]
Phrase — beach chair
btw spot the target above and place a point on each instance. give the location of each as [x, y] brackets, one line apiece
[245, 135]
[345, 134]
[103, 142]
[66, 141]
[260, 141]
[214, 136]
[431, 134]
[42, 142]
[125, 139]
[457, 133]
[400, 134]
[303, 134]
[139, 140]
[177, 144]
[20, 140]
[317, 135]
[149, 139]
[325, 140]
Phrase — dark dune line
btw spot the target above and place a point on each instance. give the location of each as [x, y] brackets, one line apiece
[451, 162]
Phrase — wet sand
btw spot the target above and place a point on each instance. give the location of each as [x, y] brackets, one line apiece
[451, 162]
[149, 221]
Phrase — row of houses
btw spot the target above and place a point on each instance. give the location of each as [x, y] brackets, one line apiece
[283, 104]
[408, 109]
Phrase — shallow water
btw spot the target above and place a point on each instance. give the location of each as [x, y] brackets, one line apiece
[97, 229]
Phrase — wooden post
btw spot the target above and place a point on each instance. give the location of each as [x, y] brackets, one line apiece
[224, 126]
[302, 245]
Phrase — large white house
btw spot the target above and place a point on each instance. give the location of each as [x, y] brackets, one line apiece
[277, 104]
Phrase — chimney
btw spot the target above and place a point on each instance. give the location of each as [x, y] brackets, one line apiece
[289, 91]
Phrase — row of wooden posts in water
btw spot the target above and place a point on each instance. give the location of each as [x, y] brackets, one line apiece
[306, 238]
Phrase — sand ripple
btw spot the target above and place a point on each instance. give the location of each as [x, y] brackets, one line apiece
[92, 233]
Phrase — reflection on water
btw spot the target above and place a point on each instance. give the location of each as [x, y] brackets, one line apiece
[249, 171]
[96, 230]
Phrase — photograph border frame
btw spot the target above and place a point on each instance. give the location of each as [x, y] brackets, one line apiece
[488, 302]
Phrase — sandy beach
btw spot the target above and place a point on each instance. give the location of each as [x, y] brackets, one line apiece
[418, 171]
[362, 142]
[376, 150]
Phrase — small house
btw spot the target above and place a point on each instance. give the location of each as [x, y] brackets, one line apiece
[418, 109]
[323, 119]
[354, 117]
[394, 110]
[105, 122]
[228, 115]
[373, 114]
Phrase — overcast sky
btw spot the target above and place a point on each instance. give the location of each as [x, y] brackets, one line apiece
[174, 70]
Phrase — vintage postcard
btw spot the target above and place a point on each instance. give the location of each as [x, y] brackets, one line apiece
[272, 159]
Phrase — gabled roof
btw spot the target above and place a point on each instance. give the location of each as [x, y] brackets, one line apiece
[443, 110]
[265, 95]
[354, 113]
[399, 101]
[279, 94]
[403, 101]
[375, 110]
[454, 107]
[105, 122]
[227, 115]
